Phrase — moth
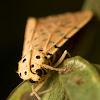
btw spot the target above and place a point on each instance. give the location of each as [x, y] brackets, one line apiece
[43, 37]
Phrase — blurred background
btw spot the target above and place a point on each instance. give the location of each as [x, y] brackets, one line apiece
[13, 17]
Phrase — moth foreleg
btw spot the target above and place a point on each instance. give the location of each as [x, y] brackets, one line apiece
[58, 62]
[34, 91]
[45, 91]
[69, 55]
[61, 59]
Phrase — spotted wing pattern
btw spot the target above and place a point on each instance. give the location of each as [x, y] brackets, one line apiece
[80, 19]
[29, 32]
[53, 31]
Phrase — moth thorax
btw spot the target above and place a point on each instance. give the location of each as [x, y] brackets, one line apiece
[37, 56]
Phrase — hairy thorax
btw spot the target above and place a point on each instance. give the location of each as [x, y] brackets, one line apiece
[30, 66]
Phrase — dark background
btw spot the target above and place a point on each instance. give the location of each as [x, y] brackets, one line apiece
[13, 16]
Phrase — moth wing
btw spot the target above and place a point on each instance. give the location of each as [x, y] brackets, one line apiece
[24, 63]
[42, 34]
[29, 33]
[53, 31]
[46, 31]
[76, 22]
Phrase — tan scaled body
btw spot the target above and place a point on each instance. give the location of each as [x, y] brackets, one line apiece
[32, 66]
[43, 37]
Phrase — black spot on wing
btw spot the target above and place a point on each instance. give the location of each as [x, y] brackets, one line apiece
[45, 39]
[68, 26]
[61, 34]
[28, 42]
[49, 54]
[40, 23]
[68, 22]
[35, 38]
[41, 30]
[65, 37]
[62, 25]
[43, 33]
[85, 17]
[49, 26]
[51, 42]
[55, 46]
[76, 27]
[36, 45]
[24, 56]
[31, 30]
[40, 50]
[57, 31]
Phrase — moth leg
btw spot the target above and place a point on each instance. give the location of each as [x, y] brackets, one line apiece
[34, 91]
[45, 91]
[69, 55]
[40, 85]
[58, 62]
[61, 59]
[52, 68]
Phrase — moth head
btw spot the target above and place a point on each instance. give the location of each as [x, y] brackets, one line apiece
[36, 72]
[35, 77]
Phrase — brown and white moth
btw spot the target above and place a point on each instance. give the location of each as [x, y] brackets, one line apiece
[43, 37]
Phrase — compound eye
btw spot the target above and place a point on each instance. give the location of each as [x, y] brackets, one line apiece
[31, 81]
[39, 72]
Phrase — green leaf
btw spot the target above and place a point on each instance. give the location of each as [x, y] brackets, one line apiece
[80, 82]
[93, 5]
[20, 90]
[83, 83]
[97, 67]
